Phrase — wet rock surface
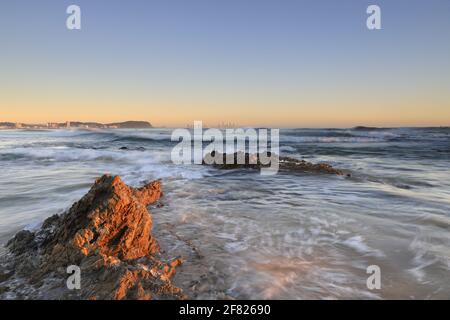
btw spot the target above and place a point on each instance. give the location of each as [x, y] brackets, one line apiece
[241, 160]
[132, 149]
[107, 234]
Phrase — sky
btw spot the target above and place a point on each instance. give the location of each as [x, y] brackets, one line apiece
[288, 63]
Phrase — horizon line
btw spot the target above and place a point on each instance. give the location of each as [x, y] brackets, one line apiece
[232, 125]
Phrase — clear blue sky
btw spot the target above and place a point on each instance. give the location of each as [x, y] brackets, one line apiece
[257, 62]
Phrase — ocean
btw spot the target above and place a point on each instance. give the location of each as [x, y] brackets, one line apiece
[248, 236]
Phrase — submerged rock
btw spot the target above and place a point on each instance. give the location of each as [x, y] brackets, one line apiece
[107, 234]
[254, 161]
[133, 149]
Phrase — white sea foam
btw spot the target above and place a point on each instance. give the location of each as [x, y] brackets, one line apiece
[359, 245]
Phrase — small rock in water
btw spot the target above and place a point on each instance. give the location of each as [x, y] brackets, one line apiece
[253, 161]
[136, 149]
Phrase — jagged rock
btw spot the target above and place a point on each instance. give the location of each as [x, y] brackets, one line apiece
[253, 161]
[22, 241]
[108, 235]
[294, 165]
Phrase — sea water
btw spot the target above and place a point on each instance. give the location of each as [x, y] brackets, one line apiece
[243, 235]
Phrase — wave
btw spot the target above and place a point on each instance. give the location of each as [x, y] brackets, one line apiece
[66, 154]
[338, 135]
[330, 139]
[141, 139]
[125, 135]
[404, 183]
[288, 149]
[358, 244]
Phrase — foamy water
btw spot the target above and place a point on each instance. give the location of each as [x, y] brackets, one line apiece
[270, 237]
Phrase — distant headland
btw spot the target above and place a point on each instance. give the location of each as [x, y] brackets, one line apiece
[78, 124]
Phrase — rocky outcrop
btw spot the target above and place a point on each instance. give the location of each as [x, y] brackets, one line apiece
[294, 165]
[131, 125]
[253, 161]
[107, 234]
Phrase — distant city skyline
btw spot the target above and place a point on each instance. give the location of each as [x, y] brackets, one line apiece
[77, 124]
[247, 62]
